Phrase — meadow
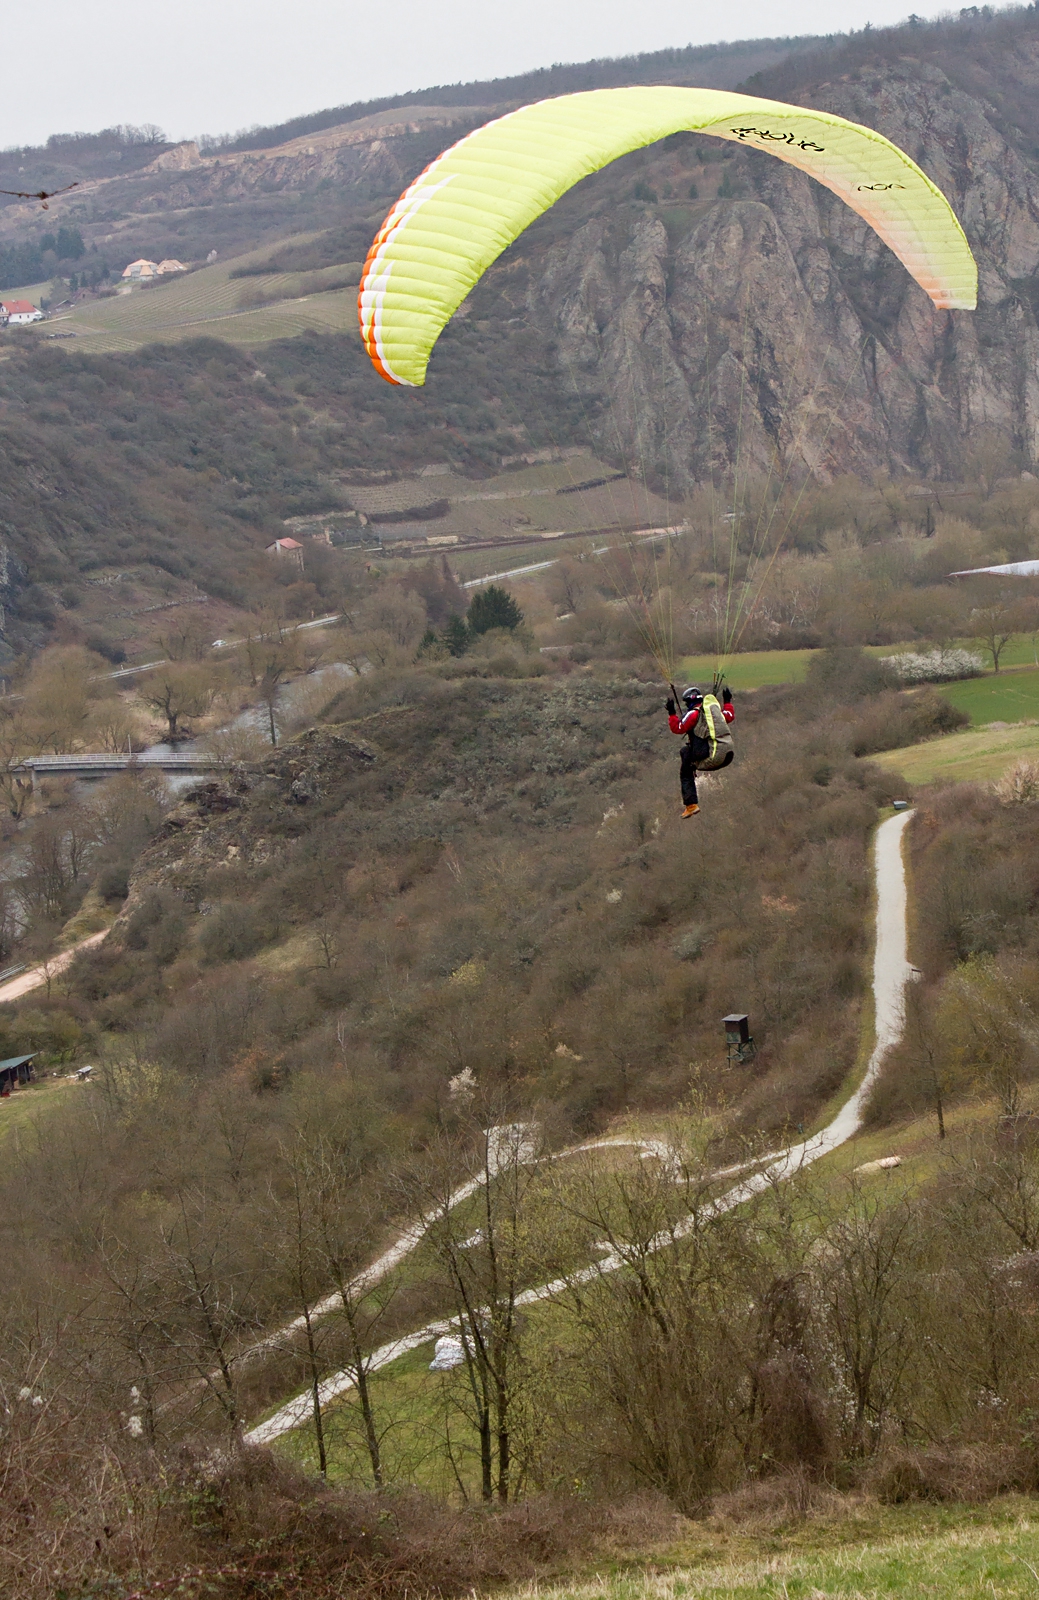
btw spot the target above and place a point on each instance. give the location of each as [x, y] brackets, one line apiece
[244, 312]
[1012, 696]
[21, 1111]
[978, 755]
[28, 291]
[865, 1550]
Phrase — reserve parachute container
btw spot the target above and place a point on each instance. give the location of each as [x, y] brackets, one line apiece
[711, 726]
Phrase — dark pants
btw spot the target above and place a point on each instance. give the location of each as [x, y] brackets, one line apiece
[696, 750]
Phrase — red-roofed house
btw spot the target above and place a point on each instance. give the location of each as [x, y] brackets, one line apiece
[20, 311]
[287, 547]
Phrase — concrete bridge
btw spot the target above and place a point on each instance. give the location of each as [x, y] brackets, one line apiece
[102, 763]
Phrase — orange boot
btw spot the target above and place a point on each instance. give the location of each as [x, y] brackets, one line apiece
[690, 811]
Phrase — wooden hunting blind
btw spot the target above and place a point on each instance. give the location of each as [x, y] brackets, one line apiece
[739, 1044]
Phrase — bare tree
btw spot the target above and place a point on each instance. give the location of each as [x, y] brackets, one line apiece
[303, 1261]
[210, 1299]
[870, 1248]
[661, 1346]
[485, 1269]
[994, 625]
[178, 691]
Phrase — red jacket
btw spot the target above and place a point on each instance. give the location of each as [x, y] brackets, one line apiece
[686, 723]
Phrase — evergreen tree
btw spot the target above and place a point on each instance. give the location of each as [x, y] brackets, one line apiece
[456, 636]
[69, 244]
[493, 607]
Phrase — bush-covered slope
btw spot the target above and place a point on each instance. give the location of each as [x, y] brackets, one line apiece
[491, 877]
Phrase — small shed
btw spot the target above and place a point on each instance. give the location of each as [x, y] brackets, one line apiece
[15, 1070]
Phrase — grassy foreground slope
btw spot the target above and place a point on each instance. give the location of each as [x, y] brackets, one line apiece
[865, 1550]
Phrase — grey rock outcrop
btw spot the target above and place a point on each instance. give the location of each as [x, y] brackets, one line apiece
[781, 330]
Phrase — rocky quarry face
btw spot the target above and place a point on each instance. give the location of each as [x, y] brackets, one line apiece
[781, 328]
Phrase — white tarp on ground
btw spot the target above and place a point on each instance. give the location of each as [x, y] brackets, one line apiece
[448, 1353]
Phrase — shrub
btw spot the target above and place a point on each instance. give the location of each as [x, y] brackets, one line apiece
[896, 720]
[493, 607]
[232, 932]
[845, 673]
[1019, 786]
[935, 666]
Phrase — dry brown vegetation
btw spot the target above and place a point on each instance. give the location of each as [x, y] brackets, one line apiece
[457, 880]
[471, 872]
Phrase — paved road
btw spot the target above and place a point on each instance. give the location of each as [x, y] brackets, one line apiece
[891, 973]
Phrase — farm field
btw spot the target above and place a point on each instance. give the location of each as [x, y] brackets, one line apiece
[26, 291]
[751, 670]
[559, 497]
[211, 302]
[976, 755]
[1013, 696]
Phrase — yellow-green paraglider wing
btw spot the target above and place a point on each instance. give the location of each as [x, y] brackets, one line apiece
[475, 199]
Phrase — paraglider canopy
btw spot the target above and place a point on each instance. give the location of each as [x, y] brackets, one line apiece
[478, 196]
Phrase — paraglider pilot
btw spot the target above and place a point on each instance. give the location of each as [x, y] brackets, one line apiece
[709, 746]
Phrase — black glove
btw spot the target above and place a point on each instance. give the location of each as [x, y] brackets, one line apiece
[669, 706]
[726, 697]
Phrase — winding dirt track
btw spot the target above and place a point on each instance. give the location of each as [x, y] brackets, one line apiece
[14, 988]
[891, 972]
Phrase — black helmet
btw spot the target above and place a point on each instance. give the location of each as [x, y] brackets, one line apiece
[692, 696]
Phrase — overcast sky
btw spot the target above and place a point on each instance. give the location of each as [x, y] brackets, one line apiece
[214, 66]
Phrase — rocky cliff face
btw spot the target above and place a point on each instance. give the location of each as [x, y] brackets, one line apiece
[778, 326]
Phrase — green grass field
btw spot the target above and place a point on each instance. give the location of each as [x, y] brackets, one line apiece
[752, 670]
[954, 1552]
[28, 291]
[755, 668]
[975, 756]
[20, 1110]
[1013, 696]
[213, 303]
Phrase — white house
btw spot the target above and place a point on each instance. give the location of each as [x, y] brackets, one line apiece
[141, 269]
[15, 312]
[170, 265]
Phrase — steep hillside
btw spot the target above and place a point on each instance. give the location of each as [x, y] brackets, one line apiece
[689, 310]
[490, 876]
